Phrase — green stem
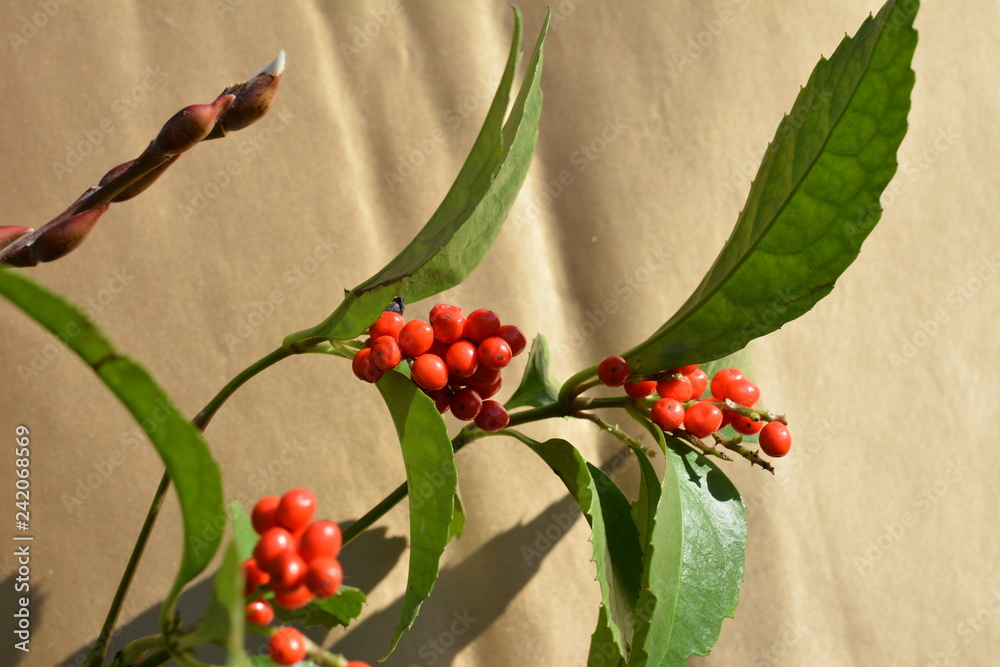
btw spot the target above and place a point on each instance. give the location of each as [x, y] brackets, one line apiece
[97, 654]
[577, 384]
[138, 648]
[374, 514]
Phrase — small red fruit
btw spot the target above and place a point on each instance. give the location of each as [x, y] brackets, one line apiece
[324, 577]
[287, 646]
[685, 370]
[296, 509]
[667, 413]
[322, 538]
[640, 389]
[492, 417]
[430, 372]
[271, 546]
[485, 375]
[487, 390]
[466, 403]
[385, 354]
[448, 325]
[288, 573]
[702, 419]
[613, 371]
[775, 439]
[253, 576]
[677, 387]
[259, 612]
[296, 599]
[439, 308]
[481, 324]
[494, 352]
[462, 358]
[742, 392]
[388, 324]
[745, 425]
[514, 337]
[415, 338]
[364, 368]
[263, 515]
[699, 382]
[723, 378]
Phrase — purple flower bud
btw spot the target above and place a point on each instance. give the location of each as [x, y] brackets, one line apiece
[189, 126]
[10, 234]
[65, 236]
[253, 98]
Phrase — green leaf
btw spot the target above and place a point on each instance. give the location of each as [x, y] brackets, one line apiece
[458, 519]
[223, 621]
[617, 553]
[460, 232]
[693, 563]
[644, 507]
[341, 609]
[185, 453]
[537, 387]
[432, 481]
[603, 652]
[246, 537]
[815, 199]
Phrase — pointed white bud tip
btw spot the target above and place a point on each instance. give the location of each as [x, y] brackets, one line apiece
[276, 66]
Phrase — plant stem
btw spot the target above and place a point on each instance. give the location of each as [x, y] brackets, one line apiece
[97, 654]
[576, 384]
[374, 514]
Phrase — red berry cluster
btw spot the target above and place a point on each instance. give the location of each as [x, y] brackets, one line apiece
[681, 402]
[455, 359]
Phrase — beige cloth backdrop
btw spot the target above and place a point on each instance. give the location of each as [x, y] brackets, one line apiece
[875, 544]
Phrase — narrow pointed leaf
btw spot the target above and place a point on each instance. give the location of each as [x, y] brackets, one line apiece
[812, 204]
[328, 613]
[185, 453]
[460, 232]
[603, 652]
[432, 481]
[537, 387]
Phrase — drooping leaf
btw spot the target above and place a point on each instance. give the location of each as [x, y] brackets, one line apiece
[328, 613]
[617, 553]
[812, 204]
[223, 621]
[185, 453]
[432, 481]
[693, 564]
[460, 232]
[537, 387]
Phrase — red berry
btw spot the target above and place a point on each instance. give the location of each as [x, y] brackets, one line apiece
[481, 324]
[287, 646]
[724, 377]
[485, 375]
[514, 337]
[430, 372]
[613, 371]
[487, 390]
[448, 325]
[324, 577]
[296, 509]
[699, 382]
[685, 370]
[385, 353]
[702, 419]
[253, 576]
[259, 612]
[439, 308]
[364, 368]
[775, 439]
[640, 389]
[357, 663]
[667, 413]
[322, 538]
[388, 324]
[415, 338]
[494, 352]
[745, 425]
[288, 573]
[271, 546]
[263, 515]
[492, 417]
[465, 404]
[462, 358]
[742, 392]
[296, 599]
[676, 387]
